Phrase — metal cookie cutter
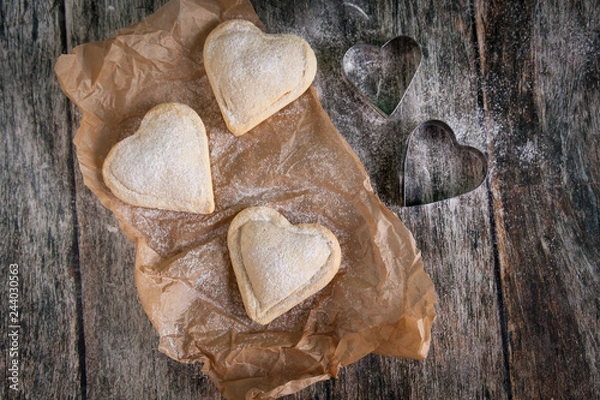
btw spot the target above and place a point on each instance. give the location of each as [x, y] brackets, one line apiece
[437, 167]
[383, 74]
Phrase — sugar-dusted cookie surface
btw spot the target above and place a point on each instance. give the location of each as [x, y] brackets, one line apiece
[277, 265]
[253, 74]
[165, 164]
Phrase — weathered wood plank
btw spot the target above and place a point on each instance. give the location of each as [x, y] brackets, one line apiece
[38, 221]
[122, 359]
[541, 70]
[466, 359]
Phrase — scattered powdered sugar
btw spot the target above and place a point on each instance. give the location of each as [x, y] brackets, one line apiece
[528, 153]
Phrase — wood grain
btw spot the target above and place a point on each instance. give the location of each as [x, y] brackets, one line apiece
[540, 83]
[38, 221]
[516, 263]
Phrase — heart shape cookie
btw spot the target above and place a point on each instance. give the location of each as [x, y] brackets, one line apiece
[437, 167]
[382, 74]
[278, 265]
[165, 164]
[253, 74]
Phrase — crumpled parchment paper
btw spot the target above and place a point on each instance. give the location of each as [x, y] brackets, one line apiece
[381, 301]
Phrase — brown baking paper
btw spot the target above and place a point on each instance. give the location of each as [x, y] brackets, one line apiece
[381, 300]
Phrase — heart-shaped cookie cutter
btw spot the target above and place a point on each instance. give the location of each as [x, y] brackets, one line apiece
[382, 75]
[456, 169]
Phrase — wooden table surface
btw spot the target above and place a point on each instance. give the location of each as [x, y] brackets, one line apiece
[516, 262]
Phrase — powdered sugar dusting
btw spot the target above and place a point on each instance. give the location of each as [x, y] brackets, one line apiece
[165, 164]
[254, 74]
[278, 261]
